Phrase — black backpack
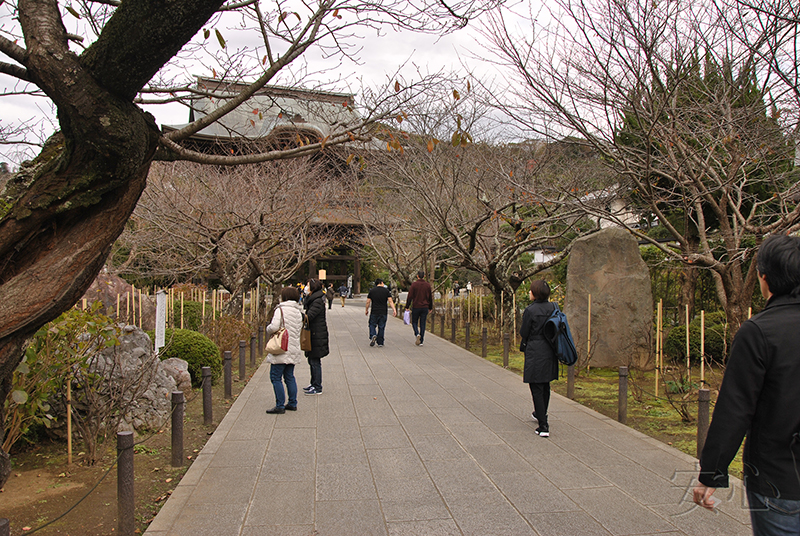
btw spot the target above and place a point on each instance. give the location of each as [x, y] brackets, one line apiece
[556, 332]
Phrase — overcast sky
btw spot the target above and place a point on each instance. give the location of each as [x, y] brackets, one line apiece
[380, 57]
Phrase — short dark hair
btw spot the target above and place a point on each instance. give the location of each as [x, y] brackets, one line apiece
[314, 285]
[421, 274]
[290, 293]
[779, 262]
[540, 290]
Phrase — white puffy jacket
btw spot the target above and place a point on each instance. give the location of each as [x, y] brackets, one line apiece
[293, 322]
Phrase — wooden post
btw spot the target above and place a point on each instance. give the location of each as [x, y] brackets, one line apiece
[688, 356]
[214, 304]
[181, 310]
[69, 420]
[703, 402]
[702, 348]
[128, 307]
[133, 295]
[117, 311]
[622, 397]
[589, 332]
[204, 307]
[514, 312]
[658, 343]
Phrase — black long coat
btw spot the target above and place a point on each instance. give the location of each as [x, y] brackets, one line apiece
[314, 305]
[541, 365]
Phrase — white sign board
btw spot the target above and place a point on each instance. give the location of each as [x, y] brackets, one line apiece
[161, 318]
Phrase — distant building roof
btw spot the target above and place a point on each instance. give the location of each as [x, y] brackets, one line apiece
[272, 111]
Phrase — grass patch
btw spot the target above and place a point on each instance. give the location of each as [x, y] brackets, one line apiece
[659, 416]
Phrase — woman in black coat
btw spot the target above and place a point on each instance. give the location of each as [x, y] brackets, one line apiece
[541, 365]
[314, 304]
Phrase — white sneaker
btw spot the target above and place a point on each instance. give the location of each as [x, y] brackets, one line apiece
[533, 416]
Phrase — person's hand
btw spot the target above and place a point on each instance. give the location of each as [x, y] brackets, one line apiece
[395, 312]
[702, 496]
[366, 313]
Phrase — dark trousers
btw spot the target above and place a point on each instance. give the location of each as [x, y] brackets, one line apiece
[540, 392]
[377, 327]
[419, 317]
[316, 372]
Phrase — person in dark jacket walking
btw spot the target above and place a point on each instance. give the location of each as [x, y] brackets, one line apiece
[760, 398]
[541, 365]
[420, 301]
[314, 305]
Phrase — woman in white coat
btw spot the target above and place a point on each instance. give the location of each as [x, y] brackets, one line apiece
[289, 314]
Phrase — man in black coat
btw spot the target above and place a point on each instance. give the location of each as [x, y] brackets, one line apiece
[760, 398]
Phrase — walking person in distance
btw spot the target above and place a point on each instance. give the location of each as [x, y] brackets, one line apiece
[760, 399]
[314, 304]
[380, 298]
[343, 290]
[420, 301]
[288, 314]
[541, 365]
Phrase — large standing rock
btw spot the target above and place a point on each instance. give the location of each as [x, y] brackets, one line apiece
[609, 266]
[107, 289]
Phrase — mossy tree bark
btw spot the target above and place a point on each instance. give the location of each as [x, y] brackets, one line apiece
[60, 214]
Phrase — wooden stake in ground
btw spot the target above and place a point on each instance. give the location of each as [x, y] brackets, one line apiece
[214, 304]
[69, 421]
[658, 343]
[133, 296]
[127, 307]
[588, 332]
[117, 310]
[514, 312]
[688, 357]
[702, 348]
[181, 310]
[141, 314]
[204, 307]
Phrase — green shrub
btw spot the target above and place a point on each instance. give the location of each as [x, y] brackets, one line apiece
[716, 340]
[192, 314]
[193, 347]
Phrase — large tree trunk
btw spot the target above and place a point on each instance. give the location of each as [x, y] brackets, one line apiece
[61, 213]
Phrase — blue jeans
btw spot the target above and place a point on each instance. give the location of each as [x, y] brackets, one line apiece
[773, 517]
[285, 372]
[377, 326]
[419, 317]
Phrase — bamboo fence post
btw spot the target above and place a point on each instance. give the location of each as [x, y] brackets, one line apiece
[589, 332]
[244, 295]
[749, 313]
[702, 348]
[480, 304]
[658, 342]
[214, 304]
[141, 310]
[204, 307]
[181, 310]
[502, 313]
[117, 311]
[133, 309]
[69, 420]
[688, 357]
[127, 307]
[514, 312]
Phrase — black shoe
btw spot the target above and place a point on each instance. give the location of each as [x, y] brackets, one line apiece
[543, 431]
[277, 410]
[313, 391]
[372, 340]
[308, 388]
[291, 408]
